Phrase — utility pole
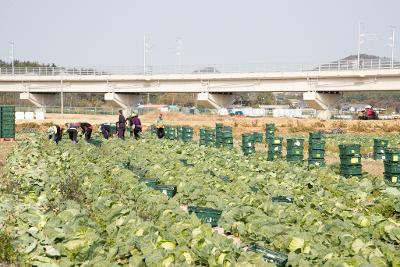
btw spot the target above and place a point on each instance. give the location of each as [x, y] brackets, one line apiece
[12, 56]
[392, 45]
[62, 96]
[359, 42]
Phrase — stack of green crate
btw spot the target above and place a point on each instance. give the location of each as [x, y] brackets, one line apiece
[248, 145]
[228, 137]
[269, 132]
[219, 137]
[392, 167]
[187, 134]
[275, 148]
[202, 138]
[295, 150]
[7, 122]
[380, 146]
[258, 137]
[350, 160]
[316, 149]
[179, 132]
[210, 136]
[170, 132]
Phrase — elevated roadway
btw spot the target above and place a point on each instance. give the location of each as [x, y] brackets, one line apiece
[322, 86]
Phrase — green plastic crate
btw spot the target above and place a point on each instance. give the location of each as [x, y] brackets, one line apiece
[275, 141]
[392, 179]
[380, 142]
[316, 162]
[315, 136]
[274, 156]
[316, 154]
[7, 127]
[351, 171]
[349, 149]
[5, 109]
[206, 215]
[185, 163]
[392, 168]
[379, 156]
[7, 132]
[292, 158]
[392, 155]
[317, 145]
[274, 148]
[168, 190]
[295, 143]
[295, 151]
[352, 160]
[249, 150]
[277, 258]
[282, 199]
[379, 150]
[150, 182]
[7, 135]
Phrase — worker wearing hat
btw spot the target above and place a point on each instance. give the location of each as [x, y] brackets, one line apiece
[160, 127]
[137, 125]
[55, 133]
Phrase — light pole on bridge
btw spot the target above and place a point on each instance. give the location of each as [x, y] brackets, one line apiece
[12, 56]
[392, 45]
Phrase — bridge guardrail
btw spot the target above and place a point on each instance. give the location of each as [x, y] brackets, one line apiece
[342, 65]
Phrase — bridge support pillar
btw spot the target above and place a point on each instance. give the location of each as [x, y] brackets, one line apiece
[216, 100]
[39, 99]
[123, 100]
[323, 102]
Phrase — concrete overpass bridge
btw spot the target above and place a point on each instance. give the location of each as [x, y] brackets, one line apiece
[216, 85]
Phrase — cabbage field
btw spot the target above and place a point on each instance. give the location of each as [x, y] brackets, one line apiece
[69, 205]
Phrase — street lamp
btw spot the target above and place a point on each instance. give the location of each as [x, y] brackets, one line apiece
[392, 45]
[12, 56]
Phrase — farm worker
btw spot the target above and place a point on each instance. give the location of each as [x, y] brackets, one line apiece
[87, 129]
[121, 125]
[130, 123]
[72, 129]
[105, 129]
[137, 124]
[160, 127]
[55, 133]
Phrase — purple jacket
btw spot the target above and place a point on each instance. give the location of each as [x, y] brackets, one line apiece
[136, 122]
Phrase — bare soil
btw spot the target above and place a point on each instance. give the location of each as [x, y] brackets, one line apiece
[240, 124]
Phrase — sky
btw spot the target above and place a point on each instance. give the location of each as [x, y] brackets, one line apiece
[111, 33]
